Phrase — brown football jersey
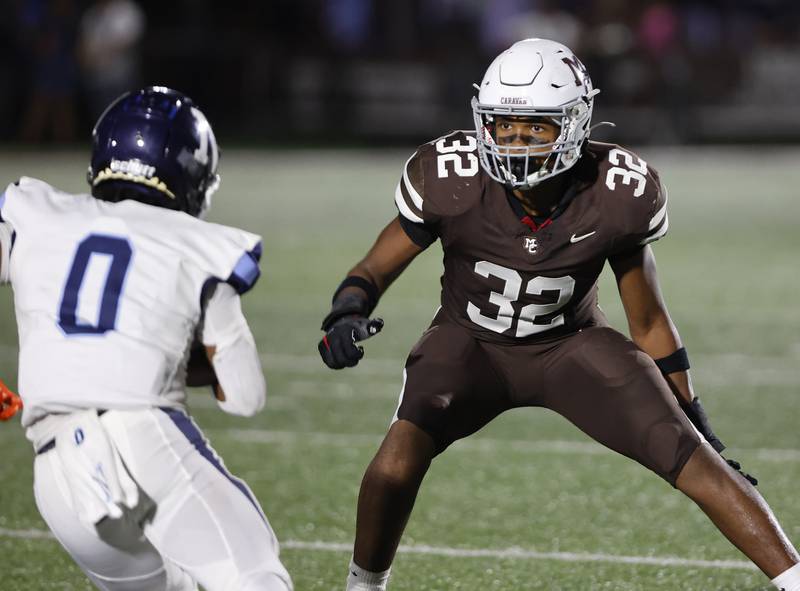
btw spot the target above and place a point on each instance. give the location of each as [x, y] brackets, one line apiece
[507, 278]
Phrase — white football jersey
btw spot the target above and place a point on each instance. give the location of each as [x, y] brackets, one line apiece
[108, 296]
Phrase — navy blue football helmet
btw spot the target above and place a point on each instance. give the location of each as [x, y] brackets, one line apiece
[154, 145]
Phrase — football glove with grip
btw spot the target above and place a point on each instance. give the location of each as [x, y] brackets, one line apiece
[10, 403]
[345, 325]
[697, 415]
[338, 347]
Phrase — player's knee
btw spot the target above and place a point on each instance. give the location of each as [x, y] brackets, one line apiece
[668, 444]
[396, 470]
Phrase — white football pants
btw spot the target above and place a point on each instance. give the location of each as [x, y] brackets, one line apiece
[195, 522]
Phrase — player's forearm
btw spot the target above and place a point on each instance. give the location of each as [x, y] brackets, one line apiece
[655, 334]
[233, 354]
[380, 277]
[242, 387]
[660, 339]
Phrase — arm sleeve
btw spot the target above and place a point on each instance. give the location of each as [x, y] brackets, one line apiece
[423, 235]
[6, 241]
[236, 361]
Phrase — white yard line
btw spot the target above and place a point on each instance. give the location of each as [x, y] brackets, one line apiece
[487, 444]
[502, 553]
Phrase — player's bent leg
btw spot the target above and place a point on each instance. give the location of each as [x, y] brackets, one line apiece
[206, 520]
[604, 384]
[738, 510]
[115, 556]
[450, 391]
[388, 491]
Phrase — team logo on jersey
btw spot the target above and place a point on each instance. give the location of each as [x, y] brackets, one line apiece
[531, 245]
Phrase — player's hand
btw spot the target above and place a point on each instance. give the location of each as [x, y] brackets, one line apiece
[738, 467]
[10, 403]
[697, 415]
[338, 347]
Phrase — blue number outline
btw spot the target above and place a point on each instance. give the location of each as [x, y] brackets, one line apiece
[121, 253]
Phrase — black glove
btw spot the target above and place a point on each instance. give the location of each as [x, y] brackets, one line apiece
[338, 347]
[697, 415]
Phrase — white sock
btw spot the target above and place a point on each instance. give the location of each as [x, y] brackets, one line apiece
[788, 580]
[359, 579]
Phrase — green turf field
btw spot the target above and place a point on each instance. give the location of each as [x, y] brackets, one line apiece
[529, 502]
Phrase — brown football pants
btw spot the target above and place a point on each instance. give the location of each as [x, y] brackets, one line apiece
[595, 378]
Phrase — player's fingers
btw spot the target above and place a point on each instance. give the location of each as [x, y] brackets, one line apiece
[353, 352]
[342, 348]
[738, 467]
[361, 329]
[375, 326]
[325, 352]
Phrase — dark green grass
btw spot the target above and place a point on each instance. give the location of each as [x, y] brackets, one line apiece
[729, 273]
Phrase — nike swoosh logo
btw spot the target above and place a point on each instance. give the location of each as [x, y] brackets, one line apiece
[575, 239]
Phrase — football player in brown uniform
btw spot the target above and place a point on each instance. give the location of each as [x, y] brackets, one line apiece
[528, 211]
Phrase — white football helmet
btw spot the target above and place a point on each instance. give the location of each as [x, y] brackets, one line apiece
[533, 78]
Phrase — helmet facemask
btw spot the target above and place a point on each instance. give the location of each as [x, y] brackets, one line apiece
[523, 167]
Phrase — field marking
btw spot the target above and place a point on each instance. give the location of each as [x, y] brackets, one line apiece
[502, 553]
[486, 444]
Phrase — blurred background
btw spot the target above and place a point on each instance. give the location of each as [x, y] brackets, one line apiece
[338, 72]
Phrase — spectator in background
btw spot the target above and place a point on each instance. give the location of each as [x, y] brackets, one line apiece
[110, 32]
[49, 40]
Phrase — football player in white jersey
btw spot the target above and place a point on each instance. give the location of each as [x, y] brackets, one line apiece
[116, 293]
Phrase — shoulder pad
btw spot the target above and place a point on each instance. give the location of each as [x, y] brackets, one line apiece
[632, 189]
[442, 179]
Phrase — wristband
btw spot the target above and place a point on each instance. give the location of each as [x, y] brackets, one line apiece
[368, 286]
[677, 361]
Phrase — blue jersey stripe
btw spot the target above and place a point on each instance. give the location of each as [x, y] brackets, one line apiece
[195, 437]
[246, 272]
[2, 203]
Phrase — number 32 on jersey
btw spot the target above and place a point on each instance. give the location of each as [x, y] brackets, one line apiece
[512, 288]
[458, 154]
[635, 170]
